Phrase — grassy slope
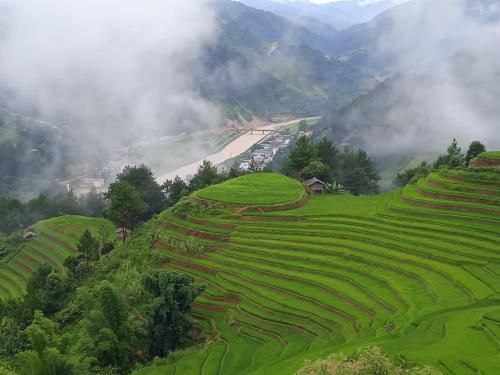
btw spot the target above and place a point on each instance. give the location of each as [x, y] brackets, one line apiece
[343, 272]
[255, 189]
[491, 154]
[57, 239]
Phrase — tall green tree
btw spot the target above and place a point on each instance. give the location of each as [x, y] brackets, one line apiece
[328, 153]
[113, 341]
[126, 206]
[142, 179]
[454, 158]
[206, 175]
[10, 215]
[169, 310]
[88, 247]
[174, 190]
[46, 291]
[476, 148]
[47, 356]
[358, 173]
[317, 169]
[303, 153]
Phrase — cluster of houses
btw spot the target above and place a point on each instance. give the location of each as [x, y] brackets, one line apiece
[264, 152]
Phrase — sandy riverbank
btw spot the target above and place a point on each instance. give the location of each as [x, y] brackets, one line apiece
[233, 149]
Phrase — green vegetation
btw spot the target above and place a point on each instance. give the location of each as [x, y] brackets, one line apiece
[15, 214]
[363, 361]
[57, 239]
[255, 189]
[491, 154]
[415, 272]
[248, 277]
[353, 170]
[104, 312]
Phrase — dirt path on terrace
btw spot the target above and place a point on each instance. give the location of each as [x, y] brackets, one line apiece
[233, 149]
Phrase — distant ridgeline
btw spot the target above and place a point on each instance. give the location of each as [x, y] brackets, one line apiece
[291, 277]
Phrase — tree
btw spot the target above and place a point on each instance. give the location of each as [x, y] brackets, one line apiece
[126, 208]
[88, 247]
[172, 295]
[301, 155]
[142, 179]
[10, 215]
[316, 169]
[47, 356]
[358, 173]
[46, 291]
[403, 178]
[174, 190]
[93, 203]
[328, 153]
[234, 171]
[476, 148]
[454, 158]
[206, 175]
[113, 346]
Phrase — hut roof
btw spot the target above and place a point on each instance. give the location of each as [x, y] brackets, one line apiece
[313, 181]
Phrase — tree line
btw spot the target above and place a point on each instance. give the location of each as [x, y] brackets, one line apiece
[105, 314]
[454, 158]
[15, 214]
[353, 169]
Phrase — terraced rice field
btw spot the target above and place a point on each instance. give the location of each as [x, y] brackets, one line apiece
[487, 160]
[57, 239]
[416, 271]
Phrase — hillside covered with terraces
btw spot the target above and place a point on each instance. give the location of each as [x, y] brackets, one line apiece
[415, 271]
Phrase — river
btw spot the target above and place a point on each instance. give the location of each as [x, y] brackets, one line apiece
[231, 150]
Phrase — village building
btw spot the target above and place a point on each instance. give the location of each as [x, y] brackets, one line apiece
[93, 182]
[315, 186]
[307, 134]
[30, 236]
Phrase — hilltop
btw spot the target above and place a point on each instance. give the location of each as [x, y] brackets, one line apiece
[415, 271]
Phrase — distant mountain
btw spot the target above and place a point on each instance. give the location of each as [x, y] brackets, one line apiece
[338, 15]
[409, 36]
[422, 113]
[266, 65]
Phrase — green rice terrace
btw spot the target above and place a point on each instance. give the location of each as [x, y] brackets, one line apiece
[415, 271]
[254, 189]
[487, 160]
[56, 239]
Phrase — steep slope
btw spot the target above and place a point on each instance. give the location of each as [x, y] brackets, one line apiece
[416, 271]
[56, 240]
[271, 66]
[422, 113]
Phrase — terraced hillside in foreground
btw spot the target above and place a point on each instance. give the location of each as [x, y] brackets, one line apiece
[416, 271]
[57, 239]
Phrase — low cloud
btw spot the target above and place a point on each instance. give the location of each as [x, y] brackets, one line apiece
[447, 54]
[113, 70]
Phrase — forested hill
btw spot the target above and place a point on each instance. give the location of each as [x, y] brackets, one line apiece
[31, 153]
[271, 66]
[415, 113]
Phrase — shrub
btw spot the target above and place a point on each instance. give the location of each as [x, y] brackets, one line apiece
[372, 361]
